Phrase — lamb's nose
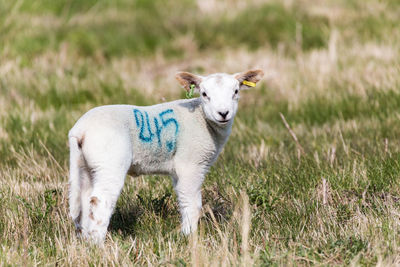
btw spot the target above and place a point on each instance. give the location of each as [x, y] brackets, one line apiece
[223, 114]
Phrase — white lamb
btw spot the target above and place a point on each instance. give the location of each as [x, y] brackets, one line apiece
[180, 138]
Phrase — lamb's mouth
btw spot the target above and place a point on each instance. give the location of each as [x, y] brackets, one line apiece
[223, 121]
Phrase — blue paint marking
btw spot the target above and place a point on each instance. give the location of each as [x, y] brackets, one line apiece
[140, 122]
[162, 125]
[170, 146]
[158, 131]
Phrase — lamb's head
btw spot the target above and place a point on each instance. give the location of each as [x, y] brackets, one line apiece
[219, 92]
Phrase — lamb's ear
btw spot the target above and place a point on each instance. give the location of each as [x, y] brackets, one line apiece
[186, 79]
[249, 78]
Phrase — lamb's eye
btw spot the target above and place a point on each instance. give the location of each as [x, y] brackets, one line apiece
[204, 94]
[236, 91]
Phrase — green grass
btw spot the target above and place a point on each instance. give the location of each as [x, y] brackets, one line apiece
[146, 27]
[268, 24]
[336, 203]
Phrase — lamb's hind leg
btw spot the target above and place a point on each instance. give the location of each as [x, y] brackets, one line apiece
[187, 185]
[108, 156]
[85, 191]
[101, 202]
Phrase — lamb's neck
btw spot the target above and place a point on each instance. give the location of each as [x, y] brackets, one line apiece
[220, 132]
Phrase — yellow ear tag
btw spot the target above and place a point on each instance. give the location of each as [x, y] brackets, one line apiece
[249, 83]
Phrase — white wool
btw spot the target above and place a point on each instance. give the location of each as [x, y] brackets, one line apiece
[180, 138]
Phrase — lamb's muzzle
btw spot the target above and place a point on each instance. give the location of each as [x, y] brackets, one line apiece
[181, 138]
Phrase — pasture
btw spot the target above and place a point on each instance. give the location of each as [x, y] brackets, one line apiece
[309, 176]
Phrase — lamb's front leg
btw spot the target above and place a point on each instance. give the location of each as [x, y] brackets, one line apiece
[187, 185]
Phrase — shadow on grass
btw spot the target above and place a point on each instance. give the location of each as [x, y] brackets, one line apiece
[143, 214]
[125, 221]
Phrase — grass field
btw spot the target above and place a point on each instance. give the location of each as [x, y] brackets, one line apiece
[332, 80]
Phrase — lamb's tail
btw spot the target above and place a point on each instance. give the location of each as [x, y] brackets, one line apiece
[74, 179]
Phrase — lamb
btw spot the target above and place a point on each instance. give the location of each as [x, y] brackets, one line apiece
[181, 138]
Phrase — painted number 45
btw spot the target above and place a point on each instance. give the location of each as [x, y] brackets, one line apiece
[162, 123]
